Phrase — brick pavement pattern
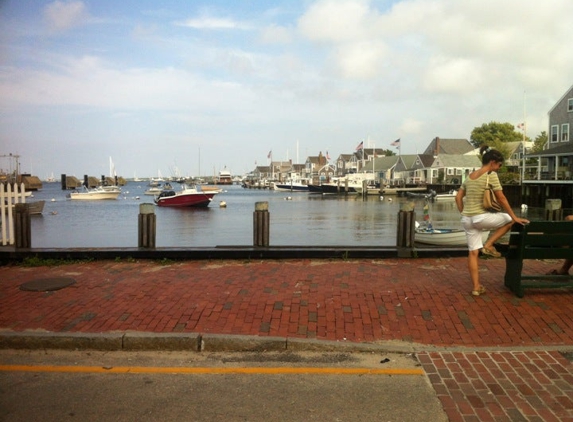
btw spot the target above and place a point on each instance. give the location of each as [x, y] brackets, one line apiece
[424, 301]
[501, 386]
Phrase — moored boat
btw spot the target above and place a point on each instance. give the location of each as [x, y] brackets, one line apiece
[157, 189]
[224, 177]
[448, 196]
[292, 185]
[185, 198]
[401, 191]
[443, 237]
[97, 193]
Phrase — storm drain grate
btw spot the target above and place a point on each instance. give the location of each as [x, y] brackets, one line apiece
[47, 284]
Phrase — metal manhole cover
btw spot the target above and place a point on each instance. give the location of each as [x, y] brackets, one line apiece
[47, 284]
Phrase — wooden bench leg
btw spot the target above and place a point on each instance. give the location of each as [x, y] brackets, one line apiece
[512, 279]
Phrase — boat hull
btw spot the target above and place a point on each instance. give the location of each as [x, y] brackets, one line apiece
[331, 188]
[291, 187]
[401, 191]
[444, 237]
[96, 194]
[314, 188]
[186, 200]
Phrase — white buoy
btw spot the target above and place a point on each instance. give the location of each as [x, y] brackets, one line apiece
[223, 204]
[53, 200]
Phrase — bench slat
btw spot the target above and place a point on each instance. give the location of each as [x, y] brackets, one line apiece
[537, 240]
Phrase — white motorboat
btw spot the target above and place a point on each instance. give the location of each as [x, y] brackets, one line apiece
[97, 193]
[292, 185]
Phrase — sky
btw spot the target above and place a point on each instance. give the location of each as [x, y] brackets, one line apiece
[193, 87]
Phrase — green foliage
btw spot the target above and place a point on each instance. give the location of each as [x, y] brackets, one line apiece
[539, 142]
[494, 134]
[127, 259]
[165, 261]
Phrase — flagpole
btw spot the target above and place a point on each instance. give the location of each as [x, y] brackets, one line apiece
[523, 143]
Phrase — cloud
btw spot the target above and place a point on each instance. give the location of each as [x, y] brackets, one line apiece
[214, 23]
[335, 21]
[61, 15]
[274, 34]
[410, 126]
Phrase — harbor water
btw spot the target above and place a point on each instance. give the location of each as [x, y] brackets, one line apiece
[296, 219]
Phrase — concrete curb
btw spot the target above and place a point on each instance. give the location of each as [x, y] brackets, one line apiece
[197, 343]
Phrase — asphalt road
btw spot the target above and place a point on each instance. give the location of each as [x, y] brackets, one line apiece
[57, 385]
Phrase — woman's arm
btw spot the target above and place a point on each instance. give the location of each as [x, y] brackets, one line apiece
[505, 204]
[460, 199]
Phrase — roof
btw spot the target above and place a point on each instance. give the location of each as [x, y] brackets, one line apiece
[459, 161]
[567, 94]
[448, 146]
[381, 163]
[566, 149]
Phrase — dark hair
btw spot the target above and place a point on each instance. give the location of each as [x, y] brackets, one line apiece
[489, 154]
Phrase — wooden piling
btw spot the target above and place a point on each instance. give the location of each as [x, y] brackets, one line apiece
[261, 224]
[405, 233]
[553, 210]
[146, 226]
[22, 226]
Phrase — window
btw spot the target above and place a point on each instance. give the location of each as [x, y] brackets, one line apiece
[570, 104]
[450, 171]
[565, 132]
[554, 133]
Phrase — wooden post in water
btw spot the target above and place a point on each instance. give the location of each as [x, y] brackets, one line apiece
[553, 210]
[22, 226]
[261, 224]
[146, 226]
[405, 233]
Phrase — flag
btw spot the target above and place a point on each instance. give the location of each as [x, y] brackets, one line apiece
[327, 156]
[426, 212]
[270, 154]
[396, 143]
[521, 125]
[360, 146]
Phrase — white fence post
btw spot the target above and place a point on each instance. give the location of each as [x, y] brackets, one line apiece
[9, 196]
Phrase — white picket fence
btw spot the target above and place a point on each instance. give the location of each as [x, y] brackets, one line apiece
[9, 195]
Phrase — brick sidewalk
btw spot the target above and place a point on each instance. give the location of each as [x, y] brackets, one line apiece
[516, 374]
[425, 301]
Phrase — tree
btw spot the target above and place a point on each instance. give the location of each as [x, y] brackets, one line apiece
[539, 142]
[494, 134]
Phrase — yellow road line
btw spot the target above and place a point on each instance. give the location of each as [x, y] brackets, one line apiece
[207, 370]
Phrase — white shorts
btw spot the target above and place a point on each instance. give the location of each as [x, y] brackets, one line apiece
[474, 226]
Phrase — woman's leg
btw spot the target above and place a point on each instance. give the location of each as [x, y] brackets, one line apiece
[496, 235]
[473, 267]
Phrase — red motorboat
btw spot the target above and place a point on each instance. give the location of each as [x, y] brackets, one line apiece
[186, 197]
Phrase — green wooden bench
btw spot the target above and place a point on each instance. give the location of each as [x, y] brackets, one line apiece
[538, 240]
